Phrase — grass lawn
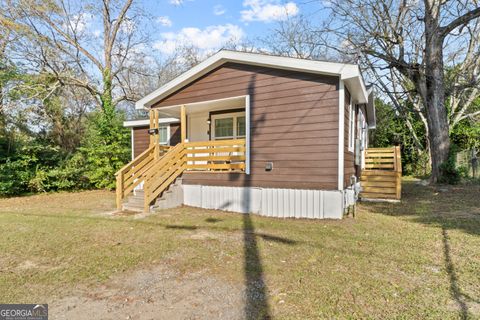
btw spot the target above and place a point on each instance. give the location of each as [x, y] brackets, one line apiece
[416, 259]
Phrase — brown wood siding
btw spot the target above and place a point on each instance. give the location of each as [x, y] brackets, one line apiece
[141, 138]
[174, 133]
[294, 124]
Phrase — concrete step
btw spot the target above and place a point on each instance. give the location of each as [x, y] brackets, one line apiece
[170, 198]
[135, 202]
[132, 208]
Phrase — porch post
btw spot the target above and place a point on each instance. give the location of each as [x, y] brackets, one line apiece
[151, 126]
[157, 135]
[183, 123]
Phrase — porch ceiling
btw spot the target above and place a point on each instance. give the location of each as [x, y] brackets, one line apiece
[203, 106]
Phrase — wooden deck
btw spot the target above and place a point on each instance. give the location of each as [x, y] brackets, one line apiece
[382, 176]
[158, 166]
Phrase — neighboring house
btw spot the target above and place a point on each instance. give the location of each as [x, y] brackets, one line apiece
[169, 133]
[271, 135]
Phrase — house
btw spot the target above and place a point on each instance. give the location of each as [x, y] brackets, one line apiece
[270, 135]
[168, 135]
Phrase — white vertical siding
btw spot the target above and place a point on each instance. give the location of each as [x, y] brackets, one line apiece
[270, 202]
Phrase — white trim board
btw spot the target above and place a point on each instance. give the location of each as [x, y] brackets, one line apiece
[348, 72]
[341, 133]
[132, 144]
[146, 122]
[351, 126]
[247, 134]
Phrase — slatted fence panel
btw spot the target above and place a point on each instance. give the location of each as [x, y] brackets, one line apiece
[382, 176]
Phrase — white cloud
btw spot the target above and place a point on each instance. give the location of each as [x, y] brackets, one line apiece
[267, 10]
[219, 10]
[178, 2]
[164, 21]
[80, 22]
[208, 39]
[128, 26]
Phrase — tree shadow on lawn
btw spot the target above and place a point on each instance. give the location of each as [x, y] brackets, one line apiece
[256, 306]
[445, 207]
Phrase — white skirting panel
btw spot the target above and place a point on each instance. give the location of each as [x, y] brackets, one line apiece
[271, 202]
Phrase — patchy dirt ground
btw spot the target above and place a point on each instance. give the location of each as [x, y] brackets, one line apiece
[158, 293]
[418, 259]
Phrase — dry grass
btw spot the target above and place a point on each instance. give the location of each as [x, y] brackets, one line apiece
[416, 259]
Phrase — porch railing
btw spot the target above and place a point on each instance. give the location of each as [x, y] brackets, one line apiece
[220, 155]
[158, 172]
[133, 173]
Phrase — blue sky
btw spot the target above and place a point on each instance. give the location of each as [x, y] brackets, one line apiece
[209, 24]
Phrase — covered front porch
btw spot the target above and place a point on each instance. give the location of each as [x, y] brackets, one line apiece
[216, 132]
[214, 138]
[209, 120]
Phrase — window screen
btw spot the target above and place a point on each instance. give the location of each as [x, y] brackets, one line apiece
[163, 133]
[223, 127]
[241, 126]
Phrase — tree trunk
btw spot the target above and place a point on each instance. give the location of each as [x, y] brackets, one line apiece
[435, 97]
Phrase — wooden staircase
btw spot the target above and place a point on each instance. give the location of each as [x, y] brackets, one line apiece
[158, 168]
[172, 197]
[382, 177]
[134, 202]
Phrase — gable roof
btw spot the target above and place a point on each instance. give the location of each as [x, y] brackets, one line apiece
[350, 73]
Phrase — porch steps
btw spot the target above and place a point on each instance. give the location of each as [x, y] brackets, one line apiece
[170, 198]
[134, 202]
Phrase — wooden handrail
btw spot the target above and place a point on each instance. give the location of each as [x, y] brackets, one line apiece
[131, 174]
[134, 161]
[182, 157]
[158, 166]
[215, 143]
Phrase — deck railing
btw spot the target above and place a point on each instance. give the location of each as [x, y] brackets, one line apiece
[382, 176]
[133, 173]
[158, 172]
[219, 155]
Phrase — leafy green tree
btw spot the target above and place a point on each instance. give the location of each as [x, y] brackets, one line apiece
[106, 148]
[392, 130]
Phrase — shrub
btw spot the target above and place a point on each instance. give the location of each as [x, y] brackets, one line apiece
[42, 168]
[449, 173]
[106, 149]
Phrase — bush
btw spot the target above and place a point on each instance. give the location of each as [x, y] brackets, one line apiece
[69, 175]
[106, 149]
[449, 173]
[42, 168]
[39, 167]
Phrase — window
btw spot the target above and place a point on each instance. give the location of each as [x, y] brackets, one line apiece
[351, 127]
[241, 126]
[228, 126]
[224, 128]
[163, 133]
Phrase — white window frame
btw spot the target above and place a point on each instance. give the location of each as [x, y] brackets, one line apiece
[132, 138]
[233, 115]
[351, 127]
[166, 143]
[363, 137]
